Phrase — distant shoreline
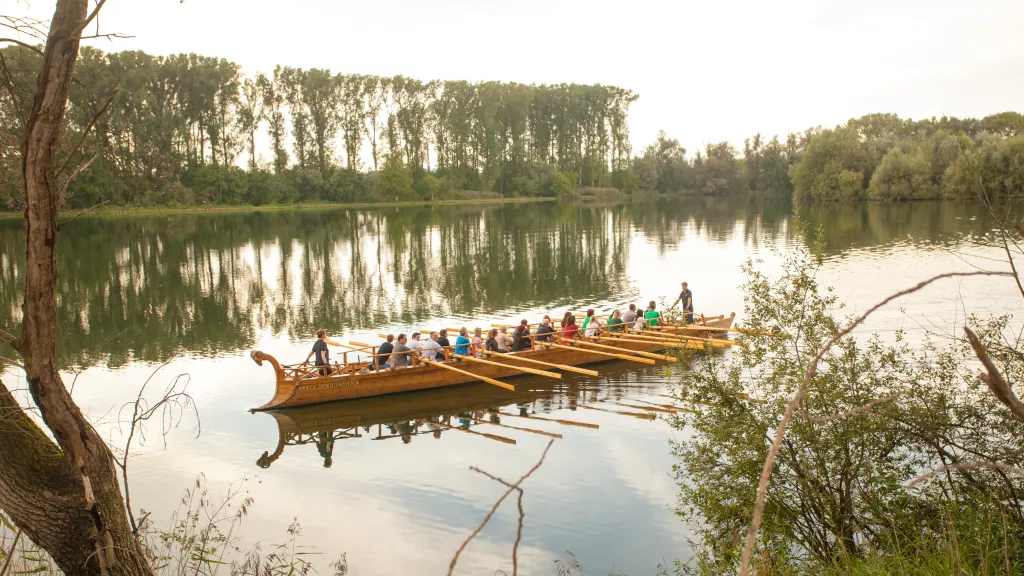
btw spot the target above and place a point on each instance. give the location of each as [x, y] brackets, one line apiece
[227, 208]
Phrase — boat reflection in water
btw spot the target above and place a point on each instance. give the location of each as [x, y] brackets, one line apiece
[480, 409]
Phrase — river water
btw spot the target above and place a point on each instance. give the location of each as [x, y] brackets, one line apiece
[373, 478]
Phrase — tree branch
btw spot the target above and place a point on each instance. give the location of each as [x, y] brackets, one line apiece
[966, 466]
[22, 44]
[797, 399]
[92, 15]
[85, 133]
[995, 381]
[86, 211]
[11, 340]
[511, 488]
[859, 409]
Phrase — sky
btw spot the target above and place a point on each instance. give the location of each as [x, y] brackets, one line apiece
[705, 71]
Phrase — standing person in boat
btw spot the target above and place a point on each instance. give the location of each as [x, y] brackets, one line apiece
[401, 356]
[504, 340]
[521, 337]
[478, 342]
[630, 316]
[322, 353]
[492, 344]
[686, 298]
[384, 352]
[651, 316]
[442, 339]
[591, 326]
[615, 322]
[569, 330]
[462, 343]
[544, 329]
[431, 347]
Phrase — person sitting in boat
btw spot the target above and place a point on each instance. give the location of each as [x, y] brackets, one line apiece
[504, 340]
[415, 343]
[402, 354]
[565, 319]
[544, 330]
[462, 343]
[492, 344]
[478, 342]
[431, 347]
[615, 322]
[322, 353]
[521, 337]
[630, 316]
[384, 352]
[442, 338]
[570, 331]
[591, 325]
[651, 316]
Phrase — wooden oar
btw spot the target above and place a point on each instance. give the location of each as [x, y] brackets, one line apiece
[648, 408]
[627, 350]
[484, 434]
[497, 383]
[676, 338]
[673, 336]
[608, 354]
[521, 369]
[542, 363]
[676, 408]
[645, 416]
[562, 422]
[531, 430]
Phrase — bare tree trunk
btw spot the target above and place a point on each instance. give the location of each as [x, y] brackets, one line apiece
[86, 466]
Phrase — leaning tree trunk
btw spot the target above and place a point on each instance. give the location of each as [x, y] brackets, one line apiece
[89, 532]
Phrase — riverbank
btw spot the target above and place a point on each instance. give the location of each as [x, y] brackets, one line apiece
[224, 208]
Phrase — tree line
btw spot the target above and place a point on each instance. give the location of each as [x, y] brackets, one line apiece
[177, 128]
[874, 157]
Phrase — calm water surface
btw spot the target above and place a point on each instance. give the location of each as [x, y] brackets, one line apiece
[373, 478]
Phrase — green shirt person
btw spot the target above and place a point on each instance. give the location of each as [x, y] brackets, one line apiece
[615, 322]
[651, 316]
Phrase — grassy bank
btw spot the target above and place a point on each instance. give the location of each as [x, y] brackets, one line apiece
[216, 208]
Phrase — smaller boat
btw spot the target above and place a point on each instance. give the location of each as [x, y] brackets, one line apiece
[302, 384]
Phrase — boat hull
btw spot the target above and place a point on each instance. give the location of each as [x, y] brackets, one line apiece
[314, 389]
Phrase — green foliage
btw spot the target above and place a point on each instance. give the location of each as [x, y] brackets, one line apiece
[903, 176]
[563, 184]
[427, 187]
[395, 180]
[831, 168]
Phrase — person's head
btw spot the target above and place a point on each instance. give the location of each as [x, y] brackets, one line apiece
[590, 312]
[433, 335]
[632, 307]
[684, 285]
[524, 322]
[463, 331]
[390, 338]
[402, 339]
[546, 321]
[616, 314]
[415, 335]
[522, 329]
[565, 317]
[571, 320]
[444, 333]
[477, 332]
[321, 333]
[652, 305]
[494, 332]
[504, 330]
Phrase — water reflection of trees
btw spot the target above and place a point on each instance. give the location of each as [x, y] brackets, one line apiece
[146, 287]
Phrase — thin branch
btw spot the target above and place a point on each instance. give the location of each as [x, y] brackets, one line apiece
[110, 36]
[10, 555]
[92, 15]
[11, 362]
[455, 559]
[22, 44]
[71, 178]
[797, 399]
[966, 466]
[859, 409]
[86, 211]
[85, 132]
[11, 340]
[995, 381]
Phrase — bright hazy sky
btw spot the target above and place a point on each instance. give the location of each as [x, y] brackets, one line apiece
[705, 71]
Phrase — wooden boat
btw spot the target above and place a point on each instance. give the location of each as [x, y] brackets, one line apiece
[300, 384]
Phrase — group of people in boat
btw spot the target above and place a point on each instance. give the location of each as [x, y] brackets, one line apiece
[398, 352]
